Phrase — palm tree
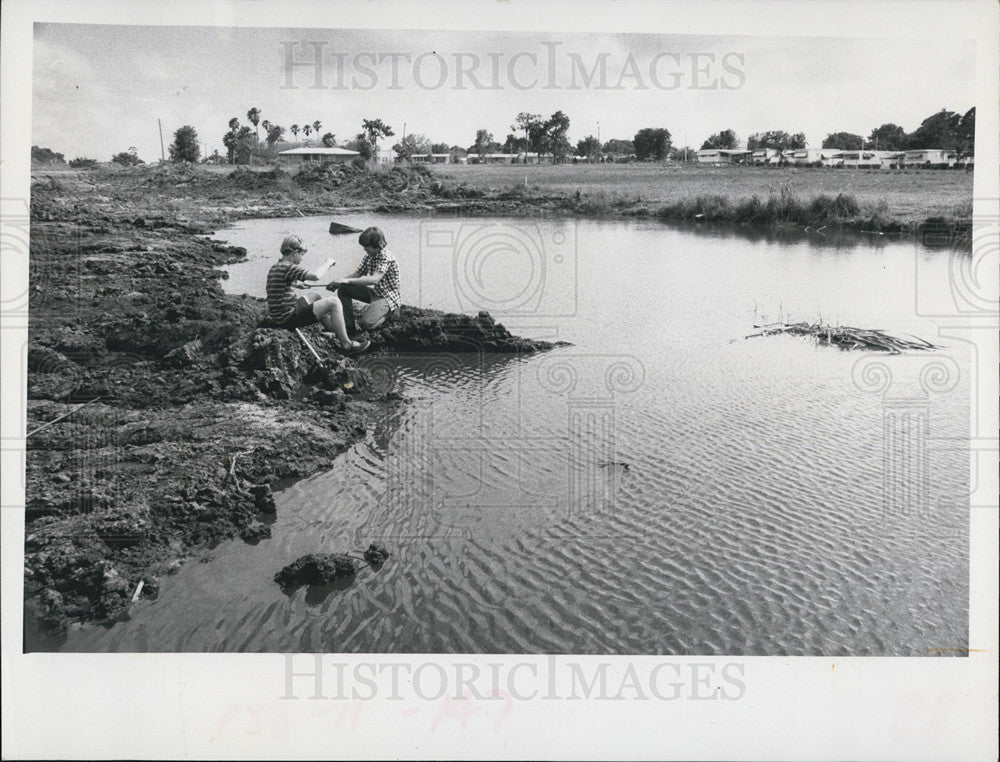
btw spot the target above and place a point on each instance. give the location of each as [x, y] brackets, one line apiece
[316, 126]
[307, 129]
[253, 116]
[229, 140]
[294, 129]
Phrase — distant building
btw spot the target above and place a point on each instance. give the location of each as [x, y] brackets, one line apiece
[430, 158]
[722, 156]
[831, 158]
[765, 156]
[318, 154]
[801, 157]
[929, 157]
[861, 159]
[891, 159]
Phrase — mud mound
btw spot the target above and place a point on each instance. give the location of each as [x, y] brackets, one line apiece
[416, 330]
[316, 569]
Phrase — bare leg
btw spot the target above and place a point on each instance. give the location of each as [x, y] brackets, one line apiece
[330, 313]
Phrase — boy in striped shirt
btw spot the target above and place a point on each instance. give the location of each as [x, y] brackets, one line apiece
[288, 311]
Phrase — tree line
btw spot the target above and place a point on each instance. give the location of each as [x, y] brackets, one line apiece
[531, 133]
[944, 129]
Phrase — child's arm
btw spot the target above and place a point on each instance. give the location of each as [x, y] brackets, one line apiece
[310, 275]
[368, 280]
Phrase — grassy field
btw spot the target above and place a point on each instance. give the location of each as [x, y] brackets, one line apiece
[911, 195]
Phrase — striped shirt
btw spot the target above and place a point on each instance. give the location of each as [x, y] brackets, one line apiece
[280, 299]
[383, 263]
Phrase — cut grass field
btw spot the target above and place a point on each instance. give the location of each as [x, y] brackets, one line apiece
[909, 196]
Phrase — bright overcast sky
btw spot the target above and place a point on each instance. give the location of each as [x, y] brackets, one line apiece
[100, 89]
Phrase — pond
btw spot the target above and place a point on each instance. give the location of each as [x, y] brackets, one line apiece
[662, 486]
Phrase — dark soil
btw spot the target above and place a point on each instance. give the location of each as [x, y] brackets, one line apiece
[199, 411]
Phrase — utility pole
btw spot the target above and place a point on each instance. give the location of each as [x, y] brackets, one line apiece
[163, 156]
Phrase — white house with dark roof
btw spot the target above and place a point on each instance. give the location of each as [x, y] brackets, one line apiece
[318, 154]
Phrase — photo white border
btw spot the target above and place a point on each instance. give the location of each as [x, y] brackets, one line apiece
[176, 705]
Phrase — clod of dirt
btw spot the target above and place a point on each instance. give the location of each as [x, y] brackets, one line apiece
[263, 499]
[256, 532]
[316, 569]
[376, 554]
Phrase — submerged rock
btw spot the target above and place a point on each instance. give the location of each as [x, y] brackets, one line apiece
[316, 569]
[376, 554]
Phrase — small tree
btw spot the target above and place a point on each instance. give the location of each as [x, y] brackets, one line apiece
[966, 144]
[329, 140]
[275, 132]
[777, 139]
[888, 137]
[843, 141]
[652, 143]
[940, 130]
[528, 124]
[484, 142]
[41, 155]
[185, 146]
[724, 139]
[372, 131]
[129, 158]
[556, 127]
[412, 144]
[589, 147]
[620, 148]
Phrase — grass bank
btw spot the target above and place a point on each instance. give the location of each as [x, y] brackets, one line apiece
[896, 201]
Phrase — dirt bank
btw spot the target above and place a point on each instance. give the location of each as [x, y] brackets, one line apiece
[194, 411]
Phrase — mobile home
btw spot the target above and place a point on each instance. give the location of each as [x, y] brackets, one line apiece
[765, 156]
[722, 156]
[830, 158]
[929, 157]
[801, 157]
[861, 159]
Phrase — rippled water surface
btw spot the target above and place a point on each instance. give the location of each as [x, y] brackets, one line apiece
[661, 486]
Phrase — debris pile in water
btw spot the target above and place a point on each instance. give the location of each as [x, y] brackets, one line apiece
[846, 337]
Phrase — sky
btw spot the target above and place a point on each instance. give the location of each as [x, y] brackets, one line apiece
[100, 89]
